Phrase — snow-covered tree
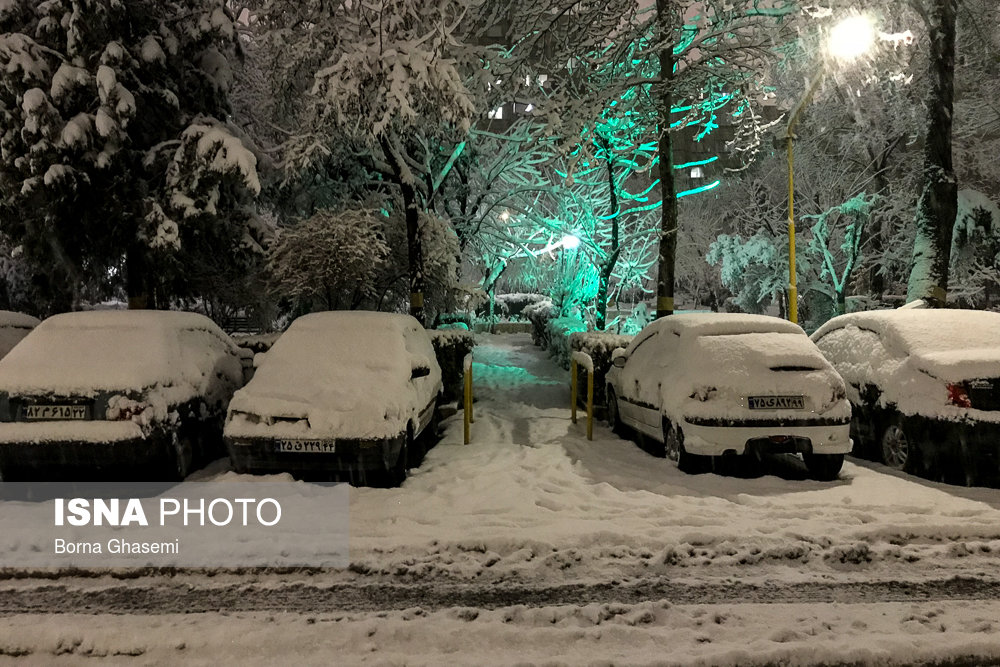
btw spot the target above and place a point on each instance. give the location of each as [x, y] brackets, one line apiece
[330, 260]
[396, 81]
[115, 150]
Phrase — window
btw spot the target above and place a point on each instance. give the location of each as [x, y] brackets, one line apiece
[697, 172]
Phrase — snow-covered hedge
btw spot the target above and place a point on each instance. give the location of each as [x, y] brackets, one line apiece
[454, 321]
[598, 345]
[513, 305]
[450, 348]
[256, 343]
[539, 314]
[558, 331]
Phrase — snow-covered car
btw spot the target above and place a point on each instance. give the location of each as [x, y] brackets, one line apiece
[343, 393]
[703, 385]
[925, 387]
[14, 327]
[115, 394]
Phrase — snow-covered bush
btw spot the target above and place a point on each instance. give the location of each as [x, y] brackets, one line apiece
[450, 347]
[598, 345]
[513, 305]
[539, 315]
[330, 260]
[559, 330]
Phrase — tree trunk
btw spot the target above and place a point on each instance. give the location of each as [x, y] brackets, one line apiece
[938, 203]
[415, 251]
[668, 194]
[608, 266]
[136, 283]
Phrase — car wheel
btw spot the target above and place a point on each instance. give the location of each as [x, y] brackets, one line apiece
[614, 417]
[673, 446]
[898, 448]
[824, 467]
[396, 475]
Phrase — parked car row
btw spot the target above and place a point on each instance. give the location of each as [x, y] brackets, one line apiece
[151, 394]
[916, 389]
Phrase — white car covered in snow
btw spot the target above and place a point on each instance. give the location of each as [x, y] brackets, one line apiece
[14, 327]
[925, 386]
[115, 394]
[702, 385]
[343, 393]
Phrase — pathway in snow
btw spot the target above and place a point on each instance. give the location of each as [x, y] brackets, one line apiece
[533, 544]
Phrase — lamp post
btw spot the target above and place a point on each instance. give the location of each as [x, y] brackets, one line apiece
[848, 40]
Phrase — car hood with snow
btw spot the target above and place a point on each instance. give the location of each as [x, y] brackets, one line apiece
[338, 374]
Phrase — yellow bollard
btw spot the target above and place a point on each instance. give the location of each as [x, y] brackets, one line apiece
[590, 406]
[468, 405]
[572, 389]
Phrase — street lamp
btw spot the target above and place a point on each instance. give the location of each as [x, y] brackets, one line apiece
[848, 40]
[570, 242]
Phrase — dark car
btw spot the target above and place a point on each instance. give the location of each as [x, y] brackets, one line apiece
[115, 394]
[925, 389]
[350, 394]
[718, 384]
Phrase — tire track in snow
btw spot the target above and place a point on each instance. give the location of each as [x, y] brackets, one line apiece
[306, 598]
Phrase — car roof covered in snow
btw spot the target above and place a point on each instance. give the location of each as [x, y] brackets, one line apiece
[86, 351]
[925, 331]
[715, 324]
[9, 318]
[360, 321]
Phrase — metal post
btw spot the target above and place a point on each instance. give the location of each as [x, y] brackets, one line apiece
[572, 389]
[467, 396]
[793, 292]
[590, 406]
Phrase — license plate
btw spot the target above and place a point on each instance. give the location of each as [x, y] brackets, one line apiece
[305, 446]
[776, 402]
[55, 412]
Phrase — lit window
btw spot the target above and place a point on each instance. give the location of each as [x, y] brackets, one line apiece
[496, 114]
[542, 78]
[696, 172]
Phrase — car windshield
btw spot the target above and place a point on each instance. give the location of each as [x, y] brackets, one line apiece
[773, 350]
[345, 356]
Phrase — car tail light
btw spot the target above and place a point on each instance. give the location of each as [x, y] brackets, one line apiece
[127, 412]
[958, 396]
[703, 393]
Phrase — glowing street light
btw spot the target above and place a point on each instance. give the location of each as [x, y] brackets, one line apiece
[849, 39]
[570, 242]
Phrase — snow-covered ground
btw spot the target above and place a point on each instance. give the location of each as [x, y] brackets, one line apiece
[533, 545]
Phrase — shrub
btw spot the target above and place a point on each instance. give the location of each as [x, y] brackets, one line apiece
[539, 314]
[599, 345]
[559, 330]
[450, 348]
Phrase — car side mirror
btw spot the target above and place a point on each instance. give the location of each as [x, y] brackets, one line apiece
[420, 372]
[618, 358]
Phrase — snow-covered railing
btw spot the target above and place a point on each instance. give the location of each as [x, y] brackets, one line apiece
[582, 359]
[467, 372]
